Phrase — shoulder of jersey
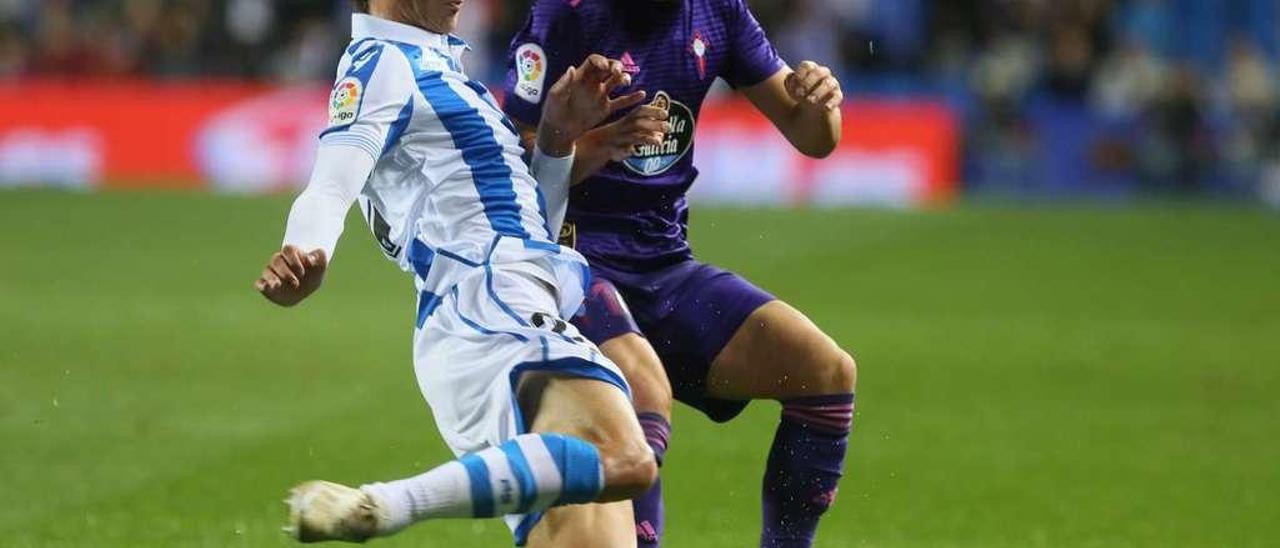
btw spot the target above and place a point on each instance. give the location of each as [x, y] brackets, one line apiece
[349, 92]
[725, 8]
[552, 10]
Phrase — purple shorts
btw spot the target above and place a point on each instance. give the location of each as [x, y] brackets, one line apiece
[687, 311]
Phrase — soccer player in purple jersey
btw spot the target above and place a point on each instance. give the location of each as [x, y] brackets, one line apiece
[704, 333]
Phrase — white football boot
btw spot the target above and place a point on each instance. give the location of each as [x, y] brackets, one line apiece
[322, 510]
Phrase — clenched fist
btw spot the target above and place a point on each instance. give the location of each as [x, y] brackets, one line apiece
[291, 275]
[813, 85]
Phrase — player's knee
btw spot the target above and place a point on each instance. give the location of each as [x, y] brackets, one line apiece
[846, 371]
[630, 468]
[839, 371]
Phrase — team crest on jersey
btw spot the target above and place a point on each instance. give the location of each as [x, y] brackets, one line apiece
[344, 104]
[650, 160]
[531, 71]
[698, 47]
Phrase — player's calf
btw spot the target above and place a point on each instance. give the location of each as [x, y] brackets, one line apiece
[779, 354]
[601, 415]
[587, 447]
[606, 318]
[525, 474]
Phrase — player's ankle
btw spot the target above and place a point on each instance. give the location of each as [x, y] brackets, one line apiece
[393, 512]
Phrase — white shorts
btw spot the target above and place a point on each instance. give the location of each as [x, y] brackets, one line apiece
[495, 324]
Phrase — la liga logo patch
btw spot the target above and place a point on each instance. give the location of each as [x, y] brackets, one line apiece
[344, 104]
[531, 69]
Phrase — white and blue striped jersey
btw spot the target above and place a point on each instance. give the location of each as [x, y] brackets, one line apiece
[449, 183]
[439, 174]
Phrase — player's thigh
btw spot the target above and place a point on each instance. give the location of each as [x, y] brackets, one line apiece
[607, 321]
[599, 413]
[779, 353]
[607, 525]
[650, 387]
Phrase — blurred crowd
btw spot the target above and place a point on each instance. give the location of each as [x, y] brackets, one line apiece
[280, 40]
[1115, 95]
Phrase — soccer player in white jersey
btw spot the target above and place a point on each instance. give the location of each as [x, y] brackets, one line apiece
[540, 419]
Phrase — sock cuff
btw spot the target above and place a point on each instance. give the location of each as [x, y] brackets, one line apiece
[581, 472]
[829, 399]
[397, 506]
[831, 413]
[657, 433]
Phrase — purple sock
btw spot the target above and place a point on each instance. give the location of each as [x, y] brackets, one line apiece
[805, 465]
[648, 507]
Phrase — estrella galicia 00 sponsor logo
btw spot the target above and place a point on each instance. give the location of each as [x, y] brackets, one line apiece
[650, 160]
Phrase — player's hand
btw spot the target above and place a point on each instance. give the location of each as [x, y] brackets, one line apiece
[813, 86]
[580, 100]
[291, 275]
[646, 125]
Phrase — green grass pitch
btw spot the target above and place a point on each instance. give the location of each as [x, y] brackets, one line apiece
[1028, 377]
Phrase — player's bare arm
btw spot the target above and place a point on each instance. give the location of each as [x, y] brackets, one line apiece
[315, 224]
[804, 104]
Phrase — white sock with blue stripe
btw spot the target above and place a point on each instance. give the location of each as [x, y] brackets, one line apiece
[526, 474]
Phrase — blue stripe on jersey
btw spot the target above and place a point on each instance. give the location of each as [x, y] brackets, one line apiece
[543, 246]
[459, 258]
[506, 121]
[428, 302]
[546, 219]
[481, 491]
[485, 94]
[399, 126]
[524, 476]
[480, 328]
[480, 149]
[488, 282]
[420, 257]
[355, 46]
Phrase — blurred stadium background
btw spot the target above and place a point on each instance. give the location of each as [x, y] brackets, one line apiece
[1067, 318]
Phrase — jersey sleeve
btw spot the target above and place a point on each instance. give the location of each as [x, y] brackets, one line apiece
[318, 213]
[550, 42]
[752, 59]
[372, 100]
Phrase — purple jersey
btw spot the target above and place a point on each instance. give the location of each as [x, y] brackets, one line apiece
[633, 215]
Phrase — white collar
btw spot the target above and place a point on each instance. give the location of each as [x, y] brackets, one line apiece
[367, 26]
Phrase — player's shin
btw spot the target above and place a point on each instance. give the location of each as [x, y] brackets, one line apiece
[528, 473]
[648, 507]
[804, 468]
